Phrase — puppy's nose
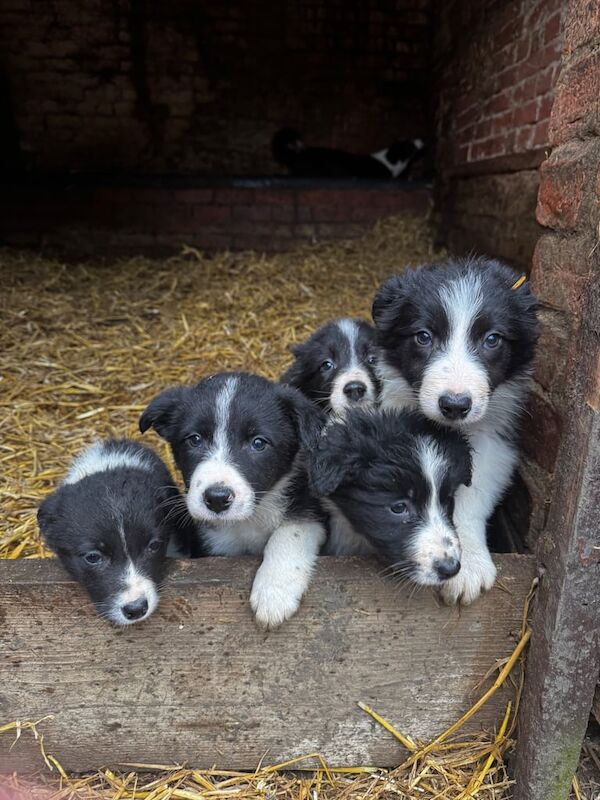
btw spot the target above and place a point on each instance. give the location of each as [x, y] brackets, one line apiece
[135, 610]
[355, 391]
[446, 568]
[455, 406]
[218, 498]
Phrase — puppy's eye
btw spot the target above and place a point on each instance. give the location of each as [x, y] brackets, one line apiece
[154, 545]
[402, 509]
[327, 365]
[93, 558]
[423, 338]
[194, 440]
[371, 359]
[492, 340]
[259, 443]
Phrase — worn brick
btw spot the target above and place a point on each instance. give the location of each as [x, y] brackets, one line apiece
[560, 272]
[541, 432]
[577, 105]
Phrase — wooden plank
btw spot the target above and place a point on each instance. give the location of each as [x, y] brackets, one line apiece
[565, 647]
[200, 683]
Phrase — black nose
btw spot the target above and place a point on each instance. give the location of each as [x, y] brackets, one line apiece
[135, 610]
[446, 567]
[355, 391]
[218, 497]
[455, 406]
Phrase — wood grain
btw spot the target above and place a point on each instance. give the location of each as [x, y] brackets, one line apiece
[200, 683]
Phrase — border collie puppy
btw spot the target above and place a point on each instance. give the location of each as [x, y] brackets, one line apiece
[335, 367]
[289, 150]
[110, 525]
[457, 341]
[237, 439]
[390, 478]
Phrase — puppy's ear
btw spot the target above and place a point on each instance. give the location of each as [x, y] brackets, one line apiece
[307, 417]
[49, 514]
[386, 301]
[161, 412]
[330, 462]
[459, 451]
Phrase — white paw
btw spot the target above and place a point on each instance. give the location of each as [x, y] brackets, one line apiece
[477, 574]
[274, 600]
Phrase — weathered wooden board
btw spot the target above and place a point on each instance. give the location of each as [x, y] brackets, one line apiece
[200, 683]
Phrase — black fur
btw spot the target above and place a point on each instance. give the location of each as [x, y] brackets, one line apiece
[369, 461]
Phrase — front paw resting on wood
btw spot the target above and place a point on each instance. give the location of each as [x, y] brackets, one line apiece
[477, 575]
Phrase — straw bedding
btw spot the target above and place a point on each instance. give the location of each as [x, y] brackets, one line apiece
[84, 347]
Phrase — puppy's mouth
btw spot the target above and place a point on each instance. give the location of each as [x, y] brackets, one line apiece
[352, 388]
[219, 493]
[135, 603]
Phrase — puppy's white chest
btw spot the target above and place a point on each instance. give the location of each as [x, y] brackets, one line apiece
[245, 538]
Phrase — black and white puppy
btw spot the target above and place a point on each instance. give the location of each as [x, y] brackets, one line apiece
[110, 523]
[335, 367]
[457, 341]
[290, 150]
[237, 439]
[389, 479]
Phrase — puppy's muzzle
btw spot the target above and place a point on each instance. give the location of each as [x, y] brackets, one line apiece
[355, 391]
[135, 610]
[455, 406]
[218, 498]
[446, 568]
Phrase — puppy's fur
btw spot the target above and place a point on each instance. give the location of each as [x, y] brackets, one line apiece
[289, 149]
[110, 523]
[237, 439]
[390, 479]
[457, 343]
[335, 367]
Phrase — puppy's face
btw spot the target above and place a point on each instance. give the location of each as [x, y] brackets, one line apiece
[234, 436]
[454, 333]
[111, 536]
[336, 366]
[394, 479]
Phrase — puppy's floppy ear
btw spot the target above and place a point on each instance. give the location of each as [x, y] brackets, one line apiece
[49, 514]
[330, 462]
[161, 412]
[461, 466]
[386, 300]
[307, 417]
[294, 374]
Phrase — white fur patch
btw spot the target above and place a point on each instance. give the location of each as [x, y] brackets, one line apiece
[395, 169]
[354, 372]
[456, 370]
[138, 587]
[98, 458]
[396, 391]
[436, 540]
[218, 468]
[284, 575]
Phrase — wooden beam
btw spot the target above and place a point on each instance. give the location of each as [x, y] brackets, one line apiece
[200, 683]
[564, 659]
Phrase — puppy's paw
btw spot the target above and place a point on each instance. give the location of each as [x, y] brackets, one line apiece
[273, 600]
[477, 574]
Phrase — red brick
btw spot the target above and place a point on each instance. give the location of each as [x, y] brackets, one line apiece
[552, 27]
[541, 133]
[582, 24]
[563, 180]
[205, 215]
[526, 114]
[230, 197]
[253, 213]
[576, 109]
[561, 271]
[194, 196]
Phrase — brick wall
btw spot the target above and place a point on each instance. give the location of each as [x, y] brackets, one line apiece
[199, 86]
[564, 258]
[496, 65]
[157, 217]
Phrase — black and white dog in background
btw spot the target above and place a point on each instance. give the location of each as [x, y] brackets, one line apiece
[395, 161]
[111, 522]
[457, 342]
[336, 366]
[389, 479]
[237, 439]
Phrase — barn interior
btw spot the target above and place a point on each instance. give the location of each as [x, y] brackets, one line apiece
[132, 129]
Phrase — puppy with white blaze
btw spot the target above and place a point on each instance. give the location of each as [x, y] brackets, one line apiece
[110, 524]
[457, 342]
[238, 439]
[335, 367]
[389, 479]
